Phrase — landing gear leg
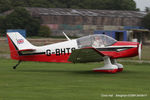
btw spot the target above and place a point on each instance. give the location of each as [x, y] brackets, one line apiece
[108, 66]
[120, 66]
[14, 67]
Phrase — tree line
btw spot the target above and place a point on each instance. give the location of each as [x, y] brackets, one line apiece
[77, 4]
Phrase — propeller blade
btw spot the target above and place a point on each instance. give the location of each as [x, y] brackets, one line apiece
[140, 50]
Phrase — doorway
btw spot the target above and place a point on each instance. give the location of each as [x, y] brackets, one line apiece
[119, 36]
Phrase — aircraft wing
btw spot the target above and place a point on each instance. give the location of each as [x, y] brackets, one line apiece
[86, 55]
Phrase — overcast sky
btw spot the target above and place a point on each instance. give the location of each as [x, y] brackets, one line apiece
[142, 4]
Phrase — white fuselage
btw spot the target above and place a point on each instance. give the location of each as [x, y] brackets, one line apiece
[61, 47]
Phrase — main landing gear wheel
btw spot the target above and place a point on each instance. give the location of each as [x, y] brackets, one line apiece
[108, 66]
[120, 66]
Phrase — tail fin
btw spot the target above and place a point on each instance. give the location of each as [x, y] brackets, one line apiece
[18, 43]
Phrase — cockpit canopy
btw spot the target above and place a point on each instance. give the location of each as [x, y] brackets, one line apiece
[96, 41]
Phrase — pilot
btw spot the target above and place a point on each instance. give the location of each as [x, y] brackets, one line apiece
[97, 43]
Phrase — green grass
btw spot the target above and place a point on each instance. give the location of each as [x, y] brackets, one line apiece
[4, 48]
[66, 81]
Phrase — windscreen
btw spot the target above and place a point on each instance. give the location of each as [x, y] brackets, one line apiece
[96, 41]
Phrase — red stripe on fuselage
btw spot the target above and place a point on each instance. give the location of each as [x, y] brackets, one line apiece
[45, 58]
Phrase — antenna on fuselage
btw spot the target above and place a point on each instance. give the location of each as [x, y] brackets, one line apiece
[66, 36]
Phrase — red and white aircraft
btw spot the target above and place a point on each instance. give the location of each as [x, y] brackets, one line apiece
[92, 48]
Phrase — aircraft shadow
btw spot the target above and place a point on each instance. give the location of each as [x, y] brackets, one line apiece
[75, 71]
[62, 71]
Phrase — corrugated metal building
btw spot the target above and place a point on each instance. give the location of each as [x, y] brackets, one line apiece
[80, 22]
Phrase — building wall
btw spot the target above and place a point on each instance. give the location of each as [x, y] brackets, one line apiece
[91, 20]
[85, 25]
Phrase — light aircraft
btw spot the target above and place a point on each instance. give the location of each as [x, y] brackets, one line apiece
[92, 48]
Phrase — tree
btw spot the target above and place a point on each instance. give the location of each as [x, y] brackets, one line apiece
[2, 28]
[125, 5]
[21, 19]
[44, 31]
[5, 5]
[147, 9]
[113, 4]
[146, 21]
[78, 4]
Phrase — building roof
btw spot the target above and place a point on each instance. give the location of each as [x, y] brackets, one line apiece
[85, 12]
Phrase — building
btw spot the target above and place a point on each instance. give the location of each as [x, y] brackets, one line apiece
[121, 25]
[80, 22]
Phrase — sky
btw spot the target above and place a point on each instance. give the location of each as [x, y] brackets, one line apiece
[142, 4]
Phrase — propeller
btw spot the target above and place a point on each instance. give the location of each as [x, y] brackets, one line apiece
[140, 50]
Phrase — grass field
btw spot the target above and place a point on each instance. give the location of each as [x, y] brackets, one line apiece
[60, 81]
